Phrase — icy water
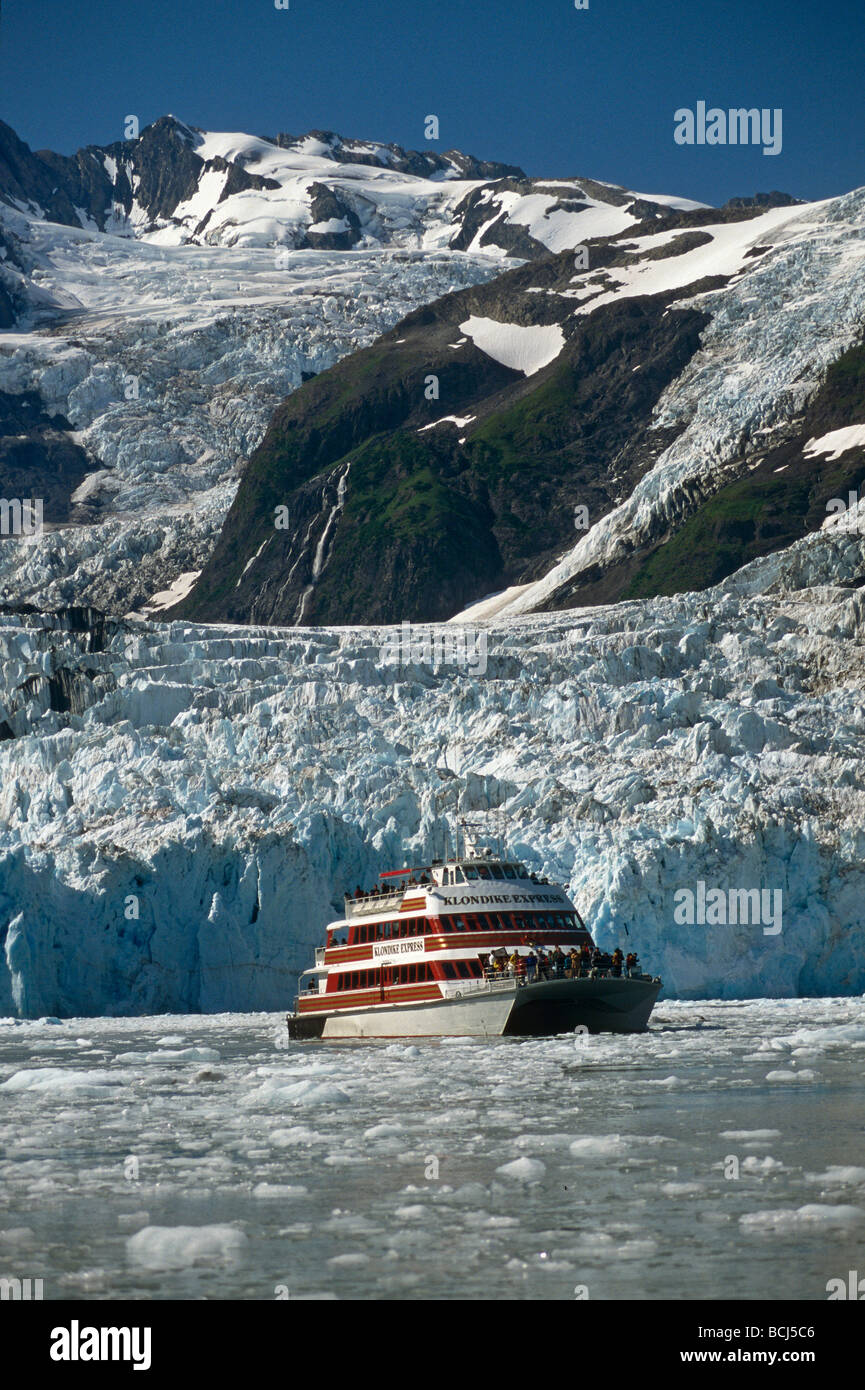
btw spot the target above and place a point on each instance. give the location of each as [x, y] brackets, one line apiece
[204, 1157]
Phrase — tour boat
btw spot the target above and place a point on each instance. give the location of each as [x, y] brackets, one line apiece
[430, 953]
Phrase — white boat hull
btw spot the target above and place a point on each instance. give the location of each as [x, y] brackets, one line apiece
[605, 1005]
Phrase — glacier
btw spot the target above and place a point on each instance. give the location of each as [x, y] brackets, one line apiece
[168, 362]
[183, 806]
[774, 331]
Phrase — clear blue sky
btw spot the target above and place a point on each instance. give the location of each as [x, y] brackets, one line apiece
[532, 82]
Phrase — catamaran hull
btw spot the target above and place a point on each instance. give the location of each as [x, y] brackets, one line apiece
[539, 1010]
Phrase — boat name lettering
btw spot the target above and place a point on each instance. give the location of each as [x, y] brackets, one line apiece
[515, 898]
[396, 948]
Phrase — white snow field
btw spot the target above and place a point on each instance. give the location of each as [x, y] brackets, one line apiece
[525, 349]
[716, 1156]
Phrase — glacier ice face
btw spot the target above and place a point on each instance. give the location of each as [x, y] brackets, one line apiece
[182, 807]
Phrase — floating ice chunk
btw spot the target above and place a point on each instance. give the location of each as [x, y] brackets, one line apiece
[180, 1247]
[16, 1237]
[750, 1134]
[185, 1054]
[64, 1079]
[471, 1193]
[804, 1075]
[812, 1216]
[523, 1170]
[297, 1134]
[277, 1190]
[611, 1145]
[761, 1165]
[840, 1175]
[301, 1093]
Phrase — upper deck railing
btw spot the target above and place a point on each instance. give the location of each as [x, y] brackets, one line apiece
[378, 902]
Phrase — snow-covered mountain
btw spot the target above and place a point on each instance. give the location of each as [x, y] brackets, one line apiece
[161, 296]
[176, 184]
[644, 423]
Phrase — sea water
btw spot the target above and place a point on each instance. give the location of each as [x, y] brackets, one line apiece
[719, 1155]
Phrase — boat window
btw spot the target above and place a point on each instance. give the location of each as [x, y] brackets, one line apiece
[522, 871]
[470, 871]
[484, 872]
[459, 923]
[508, 871]
[448, 968]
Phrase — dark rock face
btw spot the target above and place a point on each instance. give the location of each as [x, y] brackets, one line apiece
[386, 519]
[761, 202]
[425, 164]
[37, 457]
[327, 206]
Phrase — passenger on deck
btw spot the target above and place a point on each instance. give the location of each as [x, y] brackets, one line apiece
[585, 959]
[573, 964]
[559, 963]
[543, 965]
[514, 963]
[531, 967]
[617, 961]
[632, 963]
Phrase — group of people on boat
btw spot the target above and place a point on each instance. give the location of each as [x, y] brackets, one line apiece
[557, 965]
[399, 885]
[382, 889]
